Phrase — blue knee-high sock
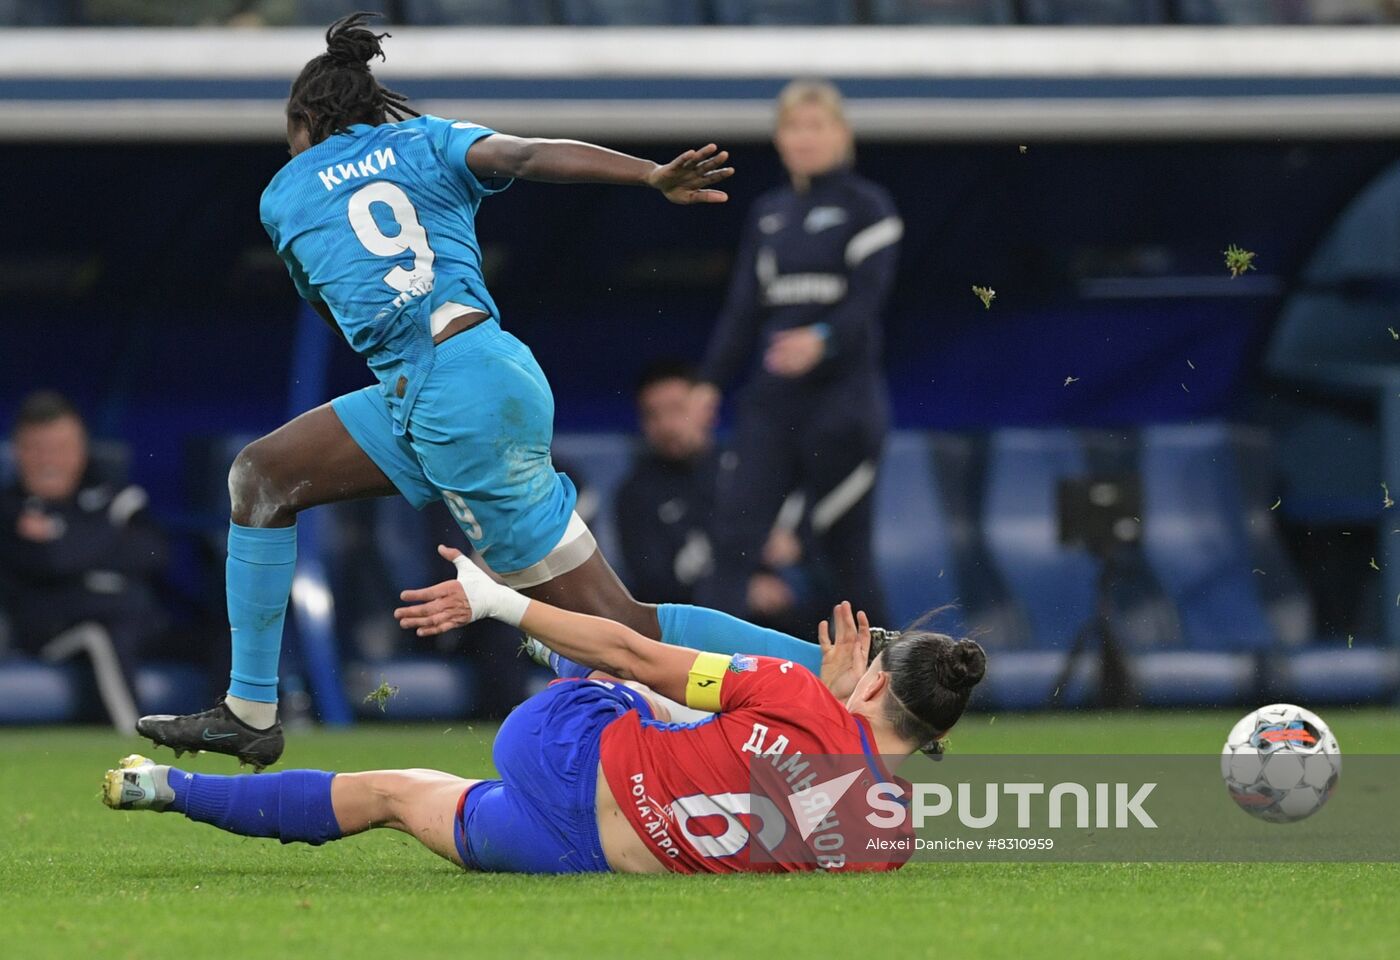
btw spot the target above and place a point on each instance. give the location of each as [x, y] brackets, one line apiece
[701, 628]
[258, 582]
[292, 806]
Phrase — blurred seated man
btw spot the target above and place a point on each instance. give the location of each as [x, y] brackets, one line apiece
[665, 507]
[78, 553]
[665, 503]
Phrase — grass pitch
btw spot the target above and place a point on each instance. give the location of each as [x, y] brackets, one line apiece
[79, 880]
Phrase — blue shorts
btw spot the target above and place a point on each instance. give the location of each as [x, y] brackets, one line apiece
[478, 437]
[542, 815]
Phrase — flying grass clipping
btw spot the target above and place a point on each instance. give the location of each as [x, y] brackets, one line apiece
[382, 694]
[1238, 260]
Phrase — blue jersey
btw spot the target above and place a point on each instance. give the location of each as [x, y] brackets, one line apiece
[378, 223]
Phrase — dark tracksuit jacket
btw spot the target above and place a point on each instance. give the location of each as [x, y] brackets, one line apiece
[824, 257]
[99, 568]
[664, 512]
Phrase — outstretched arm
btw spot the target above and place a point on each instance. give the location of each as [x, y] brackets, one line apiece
[593, 641]
[604, 644]
[612, 648]
[689, 178]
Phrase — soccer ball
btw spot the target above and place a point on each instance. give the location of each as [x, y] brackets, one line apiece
[1281, 763]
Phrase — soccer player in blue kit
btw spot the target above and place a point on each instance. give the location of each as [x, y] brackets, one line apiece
[374, 218]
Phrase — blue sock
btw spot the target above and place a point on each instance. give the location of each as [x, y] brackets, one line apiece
[566, 668]
[258, 582]
[292, 806]
[701, 628]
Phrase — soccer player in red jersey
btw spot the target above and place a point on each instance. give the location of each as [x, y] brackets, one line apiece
[597, 775]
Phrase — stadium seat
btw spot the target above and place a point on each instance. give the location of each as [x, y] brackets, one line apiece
[984, 605]
[752, 13]
[1241, 12]
[1179, 678]
[38, 13]
[1093, 12]
[1025, 680]
[360, 555]
[322, 13]
[164, 687]
[1351, 11]
[942, 12]
[1348, 287]
[1285, 599]
[1337, 675]
[485, 13]
[33, 692]
[209, 460]
[1053, 585]
[913, 535]
[1195, 539]
[1255, 12]
[626, 13]
[405, 541]
[597, 463]
[428, 688]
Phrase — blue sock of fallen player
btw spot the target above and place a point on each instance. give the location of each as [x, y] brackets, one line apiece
[701, 628]
[292, 806]
[566, 668]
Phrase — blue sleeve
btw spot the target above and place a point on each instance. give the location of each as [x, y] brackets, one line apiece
[297, 271]
[732, 344]
[299, 277]
[452, 139]
[872, 255]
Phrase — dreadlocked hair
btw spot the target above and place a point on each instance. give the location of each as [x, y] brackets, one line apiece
[336, 90]
[931, 679]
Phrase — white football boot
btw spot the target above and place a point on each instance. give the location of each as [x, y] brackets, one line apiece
[536, 651]
[137, 784]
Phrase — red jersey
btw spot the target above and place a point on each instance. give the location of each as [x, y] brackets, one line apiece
[689, 789]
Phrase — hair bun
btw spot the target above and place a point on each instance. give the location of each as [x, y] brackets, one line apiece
[351, 44]
[966, 666]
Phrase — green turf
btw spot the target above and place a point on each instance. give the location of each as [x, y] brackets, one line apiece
[79, 880]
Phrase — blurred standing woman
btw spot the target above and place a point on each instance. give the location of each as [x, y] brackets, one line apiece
[812, 274]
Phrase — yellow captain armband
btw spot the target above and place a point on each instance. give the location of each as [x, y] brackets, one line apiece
[706, 677]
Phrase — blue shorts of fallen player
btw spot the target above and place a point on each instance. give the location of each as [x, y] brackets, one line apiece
[541, 816]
